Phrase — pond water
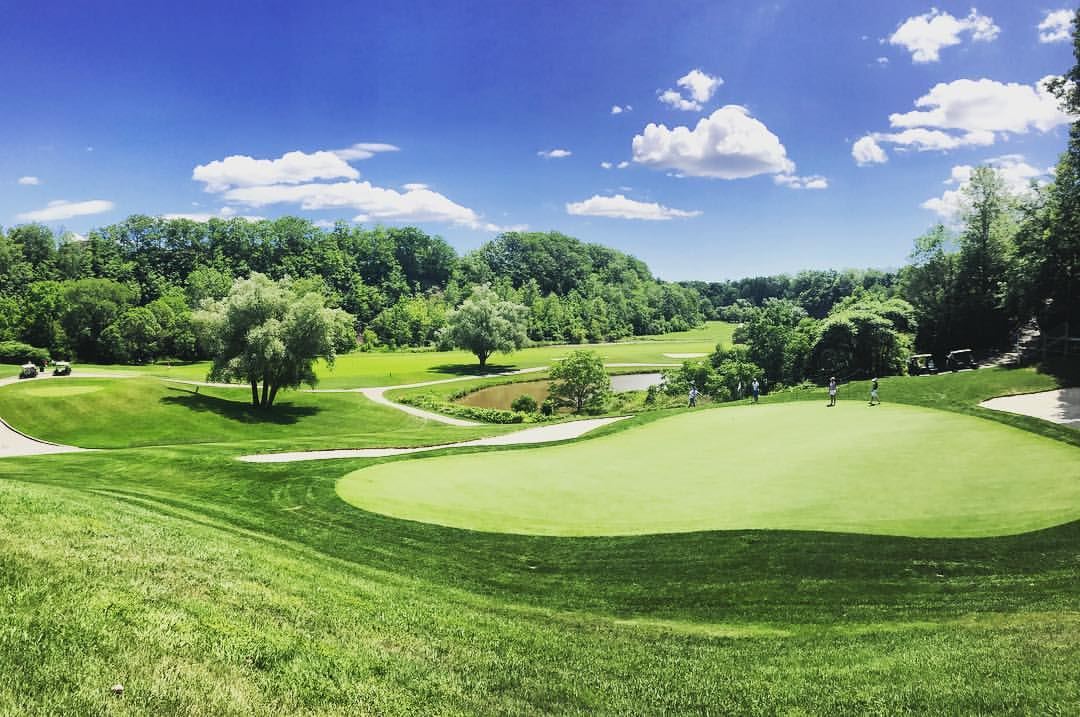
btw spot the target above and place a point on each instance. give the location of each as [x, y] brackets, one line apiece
[502, 396]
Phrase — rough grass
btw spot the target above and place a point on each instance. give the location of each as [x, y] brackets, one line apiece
[212, 587]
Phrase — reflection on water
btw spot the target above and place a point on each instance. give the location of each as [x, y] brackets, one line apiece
[502, 396]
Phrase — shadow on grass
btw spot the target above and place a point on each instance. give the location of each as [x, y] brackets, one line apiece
[472, 369]
[1066, 369]
[241, 412]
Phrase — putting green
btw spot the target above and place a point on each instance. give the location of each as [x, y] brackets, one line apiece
[893, 470]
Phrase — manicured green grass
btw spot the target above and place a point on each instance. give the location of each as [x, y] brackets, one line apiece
[392, 368]
[208, 586]
[122, 413]
[896, 470]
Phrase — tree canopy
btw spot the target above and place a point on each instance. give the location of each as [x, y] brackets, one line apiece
[269, 334]
[484, 324]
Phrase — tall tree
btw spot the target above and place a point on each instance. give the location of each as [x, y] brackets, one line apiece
[266, 334]
[579, 380]
[484, 324]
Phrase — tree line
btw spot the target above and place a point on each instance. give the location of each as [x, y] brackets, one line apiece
[127, 292]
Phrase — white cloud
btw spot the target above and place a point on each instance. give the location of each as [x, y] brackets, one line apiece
[606, 165]
[697, 88]
[815, 181]
[364, 150]
[1015, 173]
[699, 85]
[925, 35]
[324, 224]
[623, 164]
[73, 237]
[1056, 26]
[728, 144]
[882, 61]
[986, 105]
[619, 109]
[373, 203]
[619, 207]
[676, 100]
[966, 113]
[29, 181]
[866, 151]
[291, 168]
[554, 153]
[414, 186]
[223, 213]
[63, 209]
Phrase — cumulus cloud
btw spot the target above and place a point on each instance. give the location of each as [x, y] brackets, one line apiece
[867, 151]
[882, 61]
[241, 170]
[554, 153]
[623, 164]
[373, 203]
[966, 113]
[294, 178]
[29, 181]
[1056, 26]
[986, 105]
[1015, 172]
[364, 150]
[619, 207]
[815, 181]
[606, 165]
[223, 213]
[696, 88]
[925, 35]
[62, 209]
[619, 109]
[728, 144]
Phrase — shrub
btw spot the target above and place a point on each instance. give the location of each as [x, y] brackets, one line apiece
[524, 403]
[19, 353]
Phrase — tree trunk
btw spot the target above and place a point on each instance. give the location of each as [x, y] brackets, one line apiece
[265, 391]
[273, 395]
[254, 393]
[483, 356]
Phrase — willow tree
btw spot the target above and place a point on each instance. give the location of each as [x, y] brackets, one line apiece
[269, 334]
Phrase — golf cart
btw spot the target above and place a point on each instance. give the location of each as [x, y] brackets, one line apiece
[960, 359]
[28, 370]
[921, 365]
[61, 368]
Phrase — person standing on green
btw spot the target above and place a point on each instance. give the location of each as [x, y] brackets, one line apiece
[832, 391]
[874, 400]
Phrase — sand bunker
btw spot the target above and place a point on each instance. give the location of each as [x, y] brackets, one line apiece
[1061, 406]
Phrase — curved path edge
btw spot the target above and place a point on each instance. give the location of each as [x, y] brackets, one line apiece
[529, 436]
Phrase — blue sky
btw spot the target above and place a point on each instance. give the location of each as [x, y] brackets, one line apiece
[752, 141]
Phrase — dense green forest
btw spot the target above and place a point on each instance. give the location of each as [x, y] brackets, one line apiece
[127, 291]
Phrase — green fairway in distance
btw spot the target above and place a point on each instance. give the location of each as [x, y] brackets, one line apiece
[892, 470]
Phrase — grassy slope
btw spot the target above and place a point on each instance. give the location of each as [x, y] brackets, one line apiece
[213, 587]
[895, 470]
[146, 412]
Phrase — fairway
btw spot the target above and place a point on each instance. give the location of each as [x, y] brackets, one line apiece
[889, 470]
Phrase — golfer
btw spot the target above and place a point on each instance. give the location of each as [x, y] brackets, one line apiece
[832, 391]
[874, 400]
[755, 389]
[693, 396]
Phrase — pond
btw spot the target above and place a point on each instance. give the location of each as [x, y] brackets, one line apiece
[502, 396]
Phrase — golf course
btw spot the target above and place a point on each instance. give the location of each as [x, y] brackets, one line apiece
[671, 562]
